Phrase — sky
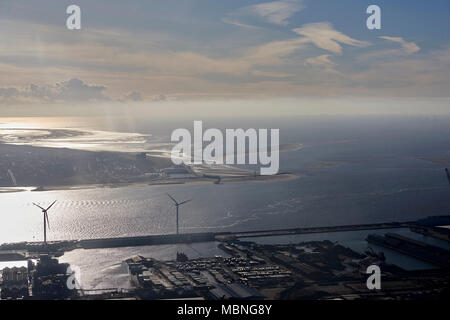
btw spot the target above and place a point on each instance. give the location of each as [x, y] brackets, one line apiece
[202, 50]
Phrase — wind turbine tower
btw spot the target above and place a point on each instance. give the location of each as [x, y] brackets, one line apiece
[177, 204]
[46, 222]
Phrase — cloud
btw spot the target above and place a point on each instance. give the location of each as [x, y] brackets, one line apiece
[272, 74]
[405, 49]
[8, 93]
[159, 97]
[272, 53]
[322, 62]
[133, 96]
[238, 24]
[268, 65]
[322, 35]
[274, 12]
[408, 47]
[125, 62]
[73, 90]
[76, 90]
[176, 73]
[413, 75]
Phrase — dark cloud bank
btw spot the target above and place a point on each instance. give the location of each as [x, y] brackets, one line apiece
[73, 90]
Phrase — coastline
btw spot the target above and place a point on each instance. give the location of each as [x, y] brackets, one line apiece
[15, 190]
[162, 182]
[31, 168]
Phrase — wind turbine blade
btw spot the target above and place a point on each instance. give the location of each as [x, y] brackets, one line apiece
[185, 201]
[38, 206]
[50, 205]
[46, 218]
[172, 199]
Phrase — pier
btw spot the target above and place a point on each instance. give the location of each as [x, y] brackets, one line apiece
[27, 250]
[413, 248]
[281, 232]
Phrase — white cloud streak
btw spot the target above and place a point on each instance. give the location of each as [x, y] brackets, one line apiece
[322, 62]
[322, 35]
[408, 47]
[276, 12]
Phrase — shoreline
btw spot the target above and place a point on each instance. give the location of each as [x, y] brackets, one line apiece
[6, 190]
[165, 182]
[81, 169]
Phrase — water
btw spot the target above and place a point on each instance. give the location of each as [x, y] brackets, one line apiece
[141, 210]
[104, 268]
[351, 171]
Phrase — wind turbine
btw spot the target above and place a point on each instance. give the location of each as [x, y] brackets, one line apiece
[46, 222]
[177, 204]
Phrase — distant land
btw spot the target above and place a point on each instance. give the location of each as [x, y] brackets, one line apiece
[437, 160]
[61, 168]
[40, 166]
[325, 164]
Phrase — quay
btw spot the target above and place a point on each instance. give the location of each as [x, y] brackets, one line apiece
[281, 232]
[417, 249]
[27, 250]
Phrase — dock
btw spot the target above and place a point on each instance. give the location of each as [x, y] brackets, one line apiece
[423, 251]
[292, 231]
[26, 250]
